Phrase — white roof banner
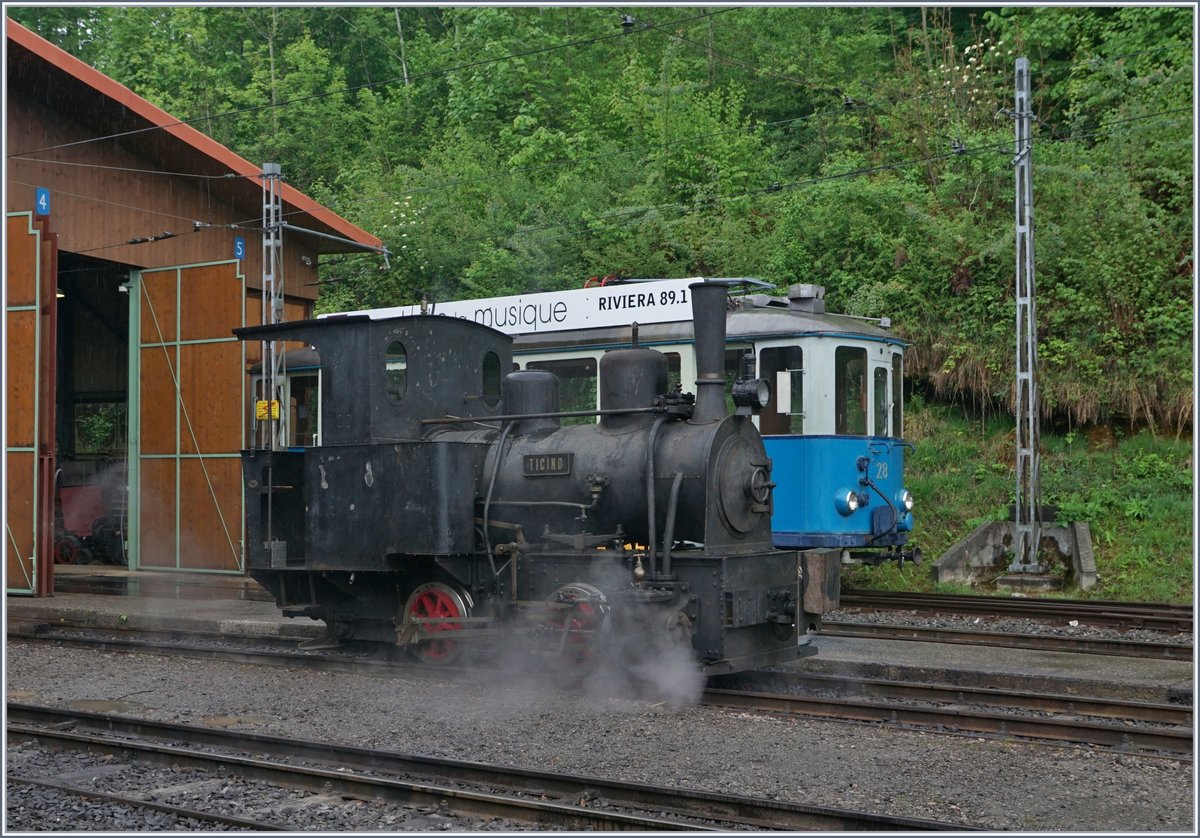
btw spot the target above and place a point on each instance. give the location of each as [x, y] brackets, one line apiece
[660, 301]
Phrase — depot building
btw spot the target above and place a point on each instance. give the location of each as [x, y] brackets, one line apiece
[133, 248]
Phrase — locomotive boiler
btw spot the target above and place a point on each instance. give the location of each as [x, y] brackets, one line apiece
[448, 507]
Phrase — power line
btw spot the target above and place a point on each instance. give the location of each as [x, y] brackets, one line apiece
[1110, 59]
[250, 225]
[575, 161]
[142, 240]
[1057, 135]
[440, 185]
[565, 161]
[1097, 133]
[227, 176]
[850, 105]
[777, 188]
[370, 85]
[613, 219]
[109, 203]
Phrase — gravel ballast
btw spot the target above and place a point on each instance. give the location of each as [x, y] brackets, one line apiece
[983, 782]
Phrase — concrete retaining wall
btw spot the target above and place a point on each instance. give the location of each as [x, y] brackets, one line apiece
[985, 553]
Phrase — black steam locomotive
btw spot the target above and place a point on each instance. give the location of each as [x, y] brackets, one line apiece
[448, 507]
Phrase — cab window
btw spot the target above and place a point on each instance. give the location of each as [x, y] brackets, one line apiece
[303, 409]
[395, 370]
[491, 379]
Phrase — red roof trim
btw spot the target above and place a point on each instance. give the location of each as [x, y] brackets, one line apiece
[157, 116]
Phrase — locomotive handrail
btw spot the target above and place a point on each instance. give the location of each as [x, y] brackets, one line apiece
[650, 510]
[573, 504]
[564, 414]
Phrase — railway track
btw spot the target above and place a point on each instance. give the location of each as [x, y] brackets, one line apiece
[1164, 617]
[1042, 642]
[1144, 727]
[333, 774]
[1136, 726]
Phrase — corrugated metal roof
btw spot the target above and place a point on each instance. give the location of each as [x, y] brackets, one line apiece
[58, 60]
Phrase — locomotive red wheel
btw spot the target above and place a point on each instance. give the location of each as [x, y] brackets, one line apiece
[580, 620]
[446, 608]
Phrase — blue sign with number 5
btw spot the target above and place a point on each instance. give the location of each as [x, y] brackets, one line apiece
[239, 247]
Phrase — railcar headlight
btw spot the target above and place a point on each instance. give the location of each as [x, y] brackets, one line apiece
[846, 501]
[906, 499]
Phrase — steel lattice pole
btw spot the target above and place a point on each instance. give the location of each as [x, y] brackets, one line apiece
[1028, 534]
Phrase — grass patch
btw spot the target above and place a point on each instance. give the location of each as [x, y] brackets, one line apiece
[1134, 491]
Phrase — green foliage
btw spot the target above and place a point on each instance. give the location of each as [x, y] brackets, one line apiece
[1134, 492]
[512, 149]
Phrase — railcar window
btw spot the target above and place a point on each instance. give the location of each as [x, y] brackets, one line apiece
[897, 395]
[881, 401]
[491, 379]
[577, 385]
[674, 377]
[850, 390]
[786, 418]
[395, 367]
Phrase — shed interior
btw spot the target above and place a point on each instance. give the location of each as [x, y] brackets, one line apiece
[91, 501]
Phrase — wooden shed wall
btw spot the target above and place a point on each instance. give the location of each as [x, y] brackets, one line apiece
[99, 200]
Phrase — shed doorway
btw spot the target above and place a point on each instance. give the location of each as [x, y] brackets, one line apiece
[91, 501]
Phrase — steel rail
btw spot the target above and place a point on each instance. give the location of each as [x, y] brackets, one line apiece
[107, 731]
[1040, 642]
[1147, 712]
[146, 803]
[1174, 741]
[1168, 617]
[359, 787]
[252, 657]
[30, 627]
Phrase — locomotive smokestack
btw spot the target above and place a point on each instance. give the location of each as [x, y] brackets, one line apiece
[708, 324]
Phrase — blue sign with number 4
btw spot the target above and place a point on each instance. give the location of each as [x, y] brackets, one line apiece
[42, 201]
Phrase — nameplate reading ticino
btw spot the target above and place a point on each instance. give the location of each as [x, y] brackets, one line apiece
[548, 465]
